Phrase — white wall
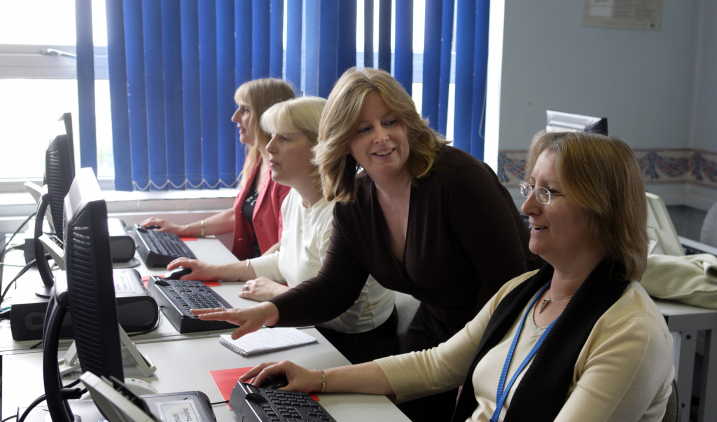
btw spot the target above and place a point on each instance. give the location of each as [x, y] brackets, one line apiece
[641, 80]
[705, 93]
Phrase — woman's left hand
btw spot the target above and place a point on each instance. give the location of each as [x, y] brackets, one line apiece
[261, 289]
[300, 379]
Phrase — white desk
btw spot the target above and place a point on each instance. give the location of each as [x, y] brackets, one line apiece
[184, 365]
[687, 320]
[208, 250]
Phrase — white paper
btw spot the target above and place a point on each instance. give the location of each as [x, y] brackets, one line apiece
[178, 411]
[266, 340]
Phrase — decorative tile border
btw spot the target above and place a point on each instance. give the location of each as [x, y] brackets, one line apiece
[659, 166]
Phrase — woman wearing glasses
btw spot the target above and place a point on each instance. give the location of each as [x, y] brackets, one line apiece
[421, 217]
[579, 339]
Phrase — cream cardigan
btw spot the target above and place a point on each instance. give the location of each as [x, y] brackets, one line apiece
[623, 373]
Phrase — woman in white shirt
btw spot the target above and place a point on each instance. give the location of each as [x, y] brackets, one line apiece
[367, 330]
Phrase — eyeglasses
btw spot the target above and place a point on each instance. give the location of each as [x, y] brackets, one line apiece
[543, 195]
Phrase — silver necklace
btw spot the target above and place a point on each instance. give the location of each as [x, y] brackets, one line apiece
[399, 197]
[549, 299]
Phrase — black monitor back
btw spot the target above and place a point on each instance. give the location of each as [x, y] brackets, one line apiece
[90, 284]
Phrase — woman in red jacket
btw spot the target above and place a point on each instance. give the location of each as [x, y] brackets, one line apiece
[255, 218]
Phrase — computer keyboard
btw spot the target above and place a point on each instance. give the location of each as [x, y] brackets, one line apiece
[252, 404]
[157, 248]
[178, 297]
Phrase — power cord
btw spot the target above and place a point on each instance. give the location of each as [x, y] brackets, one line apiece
[9, 417]
[215, 403]
[2, 253]
[19, 274]
[67, 394]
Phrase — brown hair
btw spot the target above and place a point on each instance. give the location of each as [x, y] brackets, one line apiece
[338, 122]
[601, 175]
[299, 115]
[259, 95]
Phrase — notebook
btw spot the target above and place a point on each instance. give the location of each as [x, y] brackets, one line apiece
[267, 340]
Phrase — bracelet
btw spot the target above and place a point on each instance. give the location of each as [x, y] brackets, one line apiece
[201, 229]
[248, 262]
[186, 230]
[323, 380]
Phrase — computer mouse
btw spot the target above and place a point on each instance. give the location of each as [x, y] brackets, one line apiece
[178, 272]
[275, 382]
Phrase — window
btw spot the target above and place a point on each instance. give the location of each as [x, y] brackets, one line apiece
[38, 83]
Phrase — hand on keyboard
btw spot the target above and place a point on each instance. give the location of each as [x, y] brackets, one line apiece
[164, 226]
[248, 319]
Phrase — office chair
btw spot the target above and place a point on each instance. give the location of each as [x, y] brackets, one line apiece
[673, 413]
[709, 228]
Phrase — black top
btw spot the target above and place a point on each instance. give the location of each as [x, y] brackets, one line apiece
[465, 239]
[248, 211]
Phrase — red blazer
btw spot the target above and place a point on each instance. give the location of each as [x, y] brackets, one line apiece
[267, 217]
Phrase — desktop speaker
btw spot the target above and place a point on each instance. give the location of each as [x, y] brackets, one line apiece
[136, 309]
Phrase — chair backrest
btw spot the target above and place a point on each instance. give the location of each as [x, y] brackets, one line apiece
[709, 228]
[673, 413]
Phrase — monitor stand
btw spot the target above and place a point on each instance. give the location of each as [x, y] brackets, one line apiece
[70, 362]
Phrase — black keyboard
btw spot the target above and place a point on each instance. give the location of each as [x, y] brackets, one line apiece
[178, 297]
[252, 404]
[158, 249]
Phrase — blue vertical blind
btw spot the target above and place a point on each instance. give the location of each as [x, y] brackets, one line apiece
[174, 67]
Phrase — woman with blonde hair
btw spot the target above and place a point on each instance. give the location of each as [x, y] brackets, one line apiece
[421, 217]
[578, 340]
[255, 219]
[367, 330]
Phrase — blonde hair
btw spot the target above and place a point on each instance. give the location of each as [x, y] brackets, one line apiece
[600, 174]
[299, 115]
[338, 121]
[259, 95]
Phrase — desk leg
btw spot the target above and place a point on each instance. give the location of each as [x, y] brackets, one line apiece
[688, 348]
[708, 391]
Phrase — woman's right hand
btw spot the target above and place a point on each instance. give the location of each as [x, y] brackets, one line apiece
[248, 319]
[165, 226]
[200, 270]
[300, 379]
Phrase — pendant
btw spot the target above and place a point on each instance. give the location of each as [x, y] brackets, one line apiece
[394, 209]
[542, 306]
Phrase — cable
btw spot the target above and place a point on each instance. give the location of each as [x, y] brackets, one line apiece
[219, 402]
[9, 417]
[73, 383]
[37, 401]
[2, 253]
[19, 274]
[35, 345]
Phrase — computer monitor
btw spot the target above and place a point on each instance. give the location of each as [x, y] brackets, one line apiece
[88, 294]
[558, 121]
[661, 232]
[59, 172]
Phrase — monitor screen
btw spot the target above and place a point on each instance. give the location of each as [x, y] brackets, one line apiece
[661, 232]
[558, 121]
[59, 172]
[89, 294]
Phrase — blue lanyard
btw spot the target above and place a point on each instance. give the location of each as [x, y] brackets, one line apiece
[502, 394]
